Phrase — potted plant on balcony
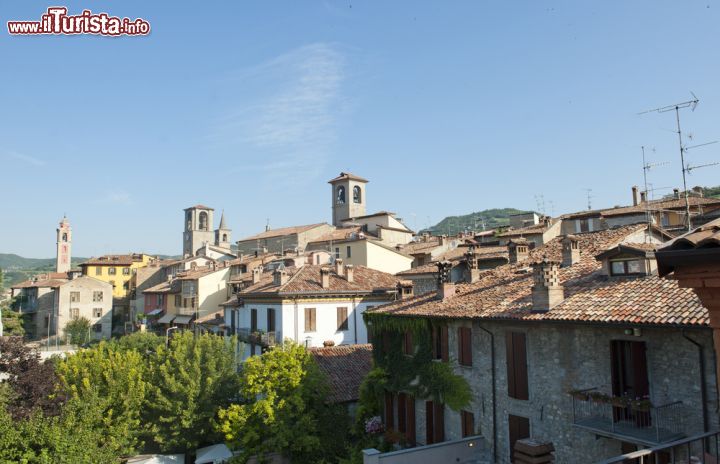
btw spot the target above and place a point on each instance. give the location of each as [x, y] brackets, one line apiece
[580, 395]
[599, 397]
[640, 403]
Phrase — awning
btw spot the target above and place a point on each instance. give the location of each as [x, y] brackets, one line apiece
[166, 319]
[154, 312]
[183, 319]
[213, 454]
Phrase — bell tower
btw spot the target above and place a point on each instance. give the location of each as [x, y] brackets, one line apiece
[198, 229]
[64, 244]
[348, 197]
[222, 234]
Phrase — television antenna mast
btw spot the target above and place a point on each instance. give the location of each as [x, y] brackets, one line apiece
[692, 104]
[646, 167]
[589, 198]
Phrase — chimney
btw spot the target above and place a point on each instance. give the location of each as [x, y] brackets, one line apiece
[643, 197]
[446, 291]
[517, 250]
[256, 274]
[546, 291]
[404, 289]
[339, 268]
[349, 272]
[325, 277]
[635, 197]
[676, 193]
[570, 250]
[442, 239]
[472, 271]
[280, 277]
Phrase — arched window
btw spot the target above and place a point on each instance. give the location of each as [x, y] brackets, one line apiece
[341, 195]
[203, 221]
[64, 237]
[357, 194]
[224, 238]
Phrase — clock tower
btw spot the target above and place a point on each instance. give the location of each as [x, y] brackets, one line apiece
[64, 243]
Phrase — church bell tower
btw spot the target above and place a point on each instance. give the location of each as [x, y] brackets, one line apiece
[64, 243]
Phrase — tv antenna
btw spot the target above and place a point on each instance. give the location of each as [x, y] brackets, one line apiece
[540, 203]
[647, 167]
[589, 198]
[692, 104]
[689, 168]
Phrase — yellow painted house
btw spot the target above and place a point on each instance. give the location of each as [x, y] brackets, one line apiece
[118, 270]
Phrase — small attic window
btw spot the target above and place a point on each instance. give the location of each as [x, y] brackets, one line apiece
[626, 267]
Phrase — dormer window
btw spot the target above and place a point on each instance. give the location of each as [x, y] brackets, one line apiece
[629, 259]
[626, 267]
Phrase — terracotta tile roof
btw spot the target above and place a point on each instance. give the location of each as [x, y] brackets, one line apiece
[282, 231]
[306, 279]
[345, 367]
[529, 230]
[113, 260]
[706, 236]
[660, 205]
[505, 292]
[347, 176]
[379, 213]
[244, 259]
[340, 233]
[421, 246]
[173, 286]
[41, 283]
[199, 207]
[199, 271]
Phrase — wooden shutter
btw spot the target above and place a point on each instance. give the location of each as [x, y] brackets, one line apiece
[410, 426]
[429, 423]
[519, 428]
[516, 353]
[465, 346]
[270, 320]
[445, 355]
[401, 412]
[467, 423]
[408, 347]
[439, 416]
[342, 319]
[253, 320]
[309, 319]
[389, 416]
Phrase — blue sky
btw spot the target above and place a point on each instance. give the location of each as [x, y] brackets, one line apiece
[250, 107]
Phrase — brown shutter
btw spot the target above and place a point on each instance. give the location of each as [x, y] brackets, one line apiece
[270, 320]
[410, 430]
[519, 428]
[342, 319]
[253, 320]
[439, 416]
[521, 374]
[465, 346]
[401, 412]
[429, 423]
[444, 343]
[389, 418]
[314, 326]
[467, 423]
[408, 347]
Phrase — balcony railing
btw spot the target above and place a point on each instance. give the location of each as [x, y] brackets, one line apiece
[703, 448]
[183, 311]
[256, 337]
[638, 422]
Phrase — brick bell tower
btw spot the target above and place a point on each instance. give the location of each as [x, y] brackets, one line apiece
[64, 243]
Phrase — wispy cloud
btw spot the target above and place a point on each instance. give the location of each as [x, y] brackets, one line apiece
[288, 111]
[116, 198]
[26, 158]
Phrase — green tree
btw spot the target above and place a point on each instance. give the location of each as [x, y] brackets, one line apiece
[116, 379]
[145, 343]
[191, 379]
[77, 331]
[283, 409]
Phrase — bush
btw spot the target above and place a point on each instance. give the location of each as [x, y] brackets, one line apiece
[77, 331]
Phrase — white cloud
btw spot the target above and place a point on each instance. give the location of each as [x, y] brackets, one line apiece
[290, 121]
[26, 158]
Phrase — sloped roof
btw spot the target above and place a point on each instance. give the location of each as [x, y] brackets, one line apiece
[341, 233]
[282, 231]
[347, 176]
[198, 206]
[505, 292]
[661, 204]
[113, 260]
[345, 367]
[173, 286]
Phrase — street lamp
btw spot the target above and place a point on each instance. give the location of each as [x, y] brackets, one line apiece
[167, 334]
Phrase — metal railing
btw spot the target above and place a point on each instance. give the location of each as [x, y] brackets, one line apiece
[639, 421]
[699, 449]
[256, 337]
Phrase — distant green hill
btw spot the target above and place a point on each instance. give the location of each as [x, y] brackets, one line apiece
[492, 218]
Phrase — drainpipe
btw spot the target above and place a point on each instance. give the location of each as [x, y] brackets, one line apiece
[492, 374]
[354, 311]
[703, 386]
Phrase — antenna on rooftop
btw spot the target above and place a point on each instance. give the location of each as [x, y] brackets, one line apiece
[689, 168]
[540, 203]
[692, 104]
[589, 198]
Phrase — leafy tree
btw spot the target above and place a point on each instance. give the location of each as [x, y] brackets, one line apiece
[13, 322]
[145, 343]
[190, 380]
[78, 331]
[283, 409]
[32, 381]
[116, 378]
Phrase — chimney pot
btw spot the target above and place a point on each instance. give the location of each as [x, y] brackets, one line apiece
[280, 277]
[518, 250]
[635, 198]
[325, 277]
[405, 289]
[256, 274]
[676, 193]
[570, 250]
[643, 197]
[547, 292]
[446, 291]
[339, 268]
[349, 272]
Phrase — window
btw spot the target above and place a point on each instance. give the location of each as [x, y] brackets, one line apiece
[629, 376]
[516, 355]
[126, 271]
[224, 238]
[253, 320]
[467, 423]
[357, 194]
[97, 328]
[97, 296]
[348, 251]
[74, 297]
[340, 199]
[626, 267]
[519, 428]
[97, 312]
[402, 412]
[74, 313]
[112, 271]
[434, 422]
[342, 319]
[178, 301]
[203, 221]
[64, 237]
[440, 343]
[160, 300]
[337, 253]
[98, 270]
[465, 346]
[270, 320]
[317, 259]
[309, 319]
[408, 346]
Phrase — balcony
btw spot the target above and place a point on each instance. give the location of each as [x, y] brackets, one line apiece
[257, 337]
[183, 311]
[639, 422]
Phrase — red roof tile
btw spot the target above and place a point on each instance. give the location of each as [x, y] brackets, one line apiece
[345, 367]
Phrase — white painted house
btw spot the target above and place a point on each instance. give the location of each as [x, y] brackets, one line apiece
[310, 305]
